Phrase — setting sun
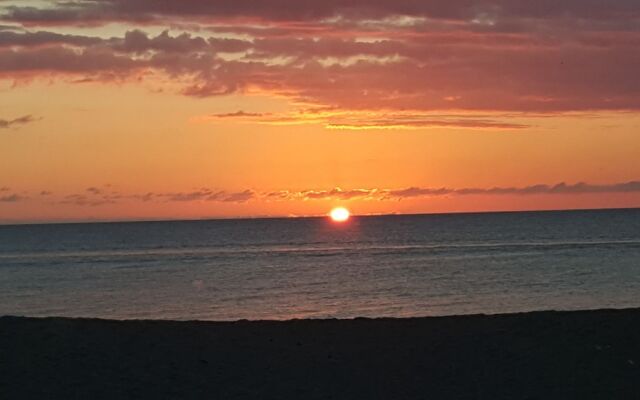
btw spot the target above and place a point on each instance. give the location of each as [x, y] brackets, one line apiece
[339, 214]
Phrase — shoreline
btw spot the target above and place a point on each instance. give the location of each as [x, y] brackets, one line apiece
[593, 354]
[349, 319]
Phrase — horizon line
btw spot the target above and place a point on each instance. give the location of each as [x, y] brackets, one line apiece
[310, 216]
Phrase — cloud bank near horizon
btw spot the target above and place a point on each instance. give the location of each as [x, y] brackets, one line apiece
[99, 196]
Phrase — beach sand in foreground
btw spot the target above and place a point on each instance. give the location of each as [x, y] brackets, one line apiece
[540, 355]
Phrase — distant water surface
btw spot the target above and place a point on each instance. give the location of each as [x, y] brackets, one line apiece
[414, 265]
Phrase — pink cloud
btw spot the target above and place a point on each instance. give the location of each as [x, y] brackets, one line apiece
[479, 55]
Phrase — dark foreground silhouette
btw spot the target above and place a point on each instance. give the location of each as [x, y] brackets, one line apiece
[542, 355]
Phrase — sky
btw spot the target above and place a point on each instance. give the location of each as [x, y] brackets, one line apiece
[155, 109]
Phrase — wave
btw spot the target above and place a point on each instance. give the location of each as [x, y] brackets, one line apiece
[314, 250]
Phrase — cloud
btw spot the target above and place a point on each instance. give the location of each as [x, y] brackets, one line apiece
[10, 123]
[87, 200]
[146, 197]
[202, 194]
[12, 198]
[401, 123]
[336, 193]
[106, 196]
[43, 38]
[64, 60]
[478, 11]
[560, 188]
[99, 196]
[15, 28]
[138, 42]
[94, 190]
[416, 191]
[237, 114]
[372, 119]
[239, 197]
[205, 194]
[476, 55]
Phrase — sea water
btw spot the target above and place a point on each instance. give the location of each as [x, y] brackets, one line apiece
[374, 266]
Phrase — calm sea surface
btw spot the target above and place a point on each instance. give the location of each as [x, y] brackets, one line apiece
[397, 266]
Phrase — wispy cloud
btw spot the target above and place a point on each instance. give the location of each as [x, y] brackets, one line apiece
[12, 198]
[560, 188]
[86, 200]
[205, 194]
[333, 118]
[11, 123]
[95, 196]
[94, 190]
[239, 197]
[417, 191]
[237, 114]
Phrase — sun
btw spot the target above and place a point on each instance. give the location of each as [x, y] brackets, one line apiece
[339, 214]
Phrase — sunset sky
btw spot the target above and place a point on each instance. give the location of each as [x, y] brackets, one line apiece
[141, 109]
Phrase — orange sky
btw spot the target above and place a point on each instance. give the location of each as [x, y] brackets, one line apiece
[132, 110]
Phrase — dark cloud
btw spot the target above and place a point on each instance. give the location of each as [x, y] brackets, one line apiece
[64, 60]
[140, 11]
[138, 42]
[237, 114]
[94, 190]
[11, 38]
[10, 123]
[12, 198]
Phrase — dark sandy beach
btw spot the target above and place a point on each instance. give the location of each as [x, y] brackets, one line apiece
[542, 355]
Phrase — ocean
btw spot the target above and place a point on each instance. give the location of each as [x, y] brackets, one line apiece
[373, 266]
